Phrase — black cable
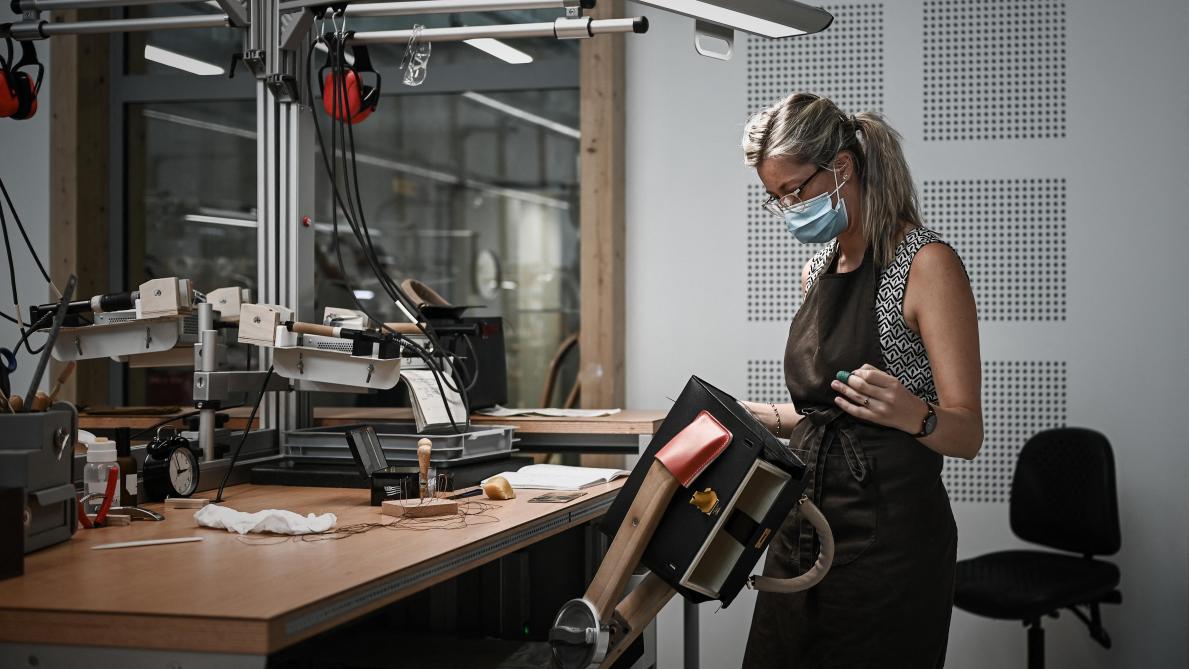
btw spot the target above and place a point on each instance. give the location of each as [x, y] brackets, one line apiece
[8, 318]
[349, 209]
[21, 227]
[165, 422]
[247, 431]
[33, 328]
[12, 277]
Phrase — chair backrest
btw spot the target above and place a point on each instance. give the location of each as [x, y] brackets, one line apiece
[1063, 494]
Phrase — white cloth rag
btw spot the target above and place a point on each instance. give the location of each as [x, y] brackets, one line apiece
[277, 521]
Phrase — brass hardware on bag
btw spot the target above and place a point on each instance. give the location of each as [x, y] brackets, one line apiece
[764, 537]
[706, 501]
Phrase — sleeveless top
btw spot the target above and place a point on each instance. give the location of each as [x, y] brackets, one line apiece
[904, 352]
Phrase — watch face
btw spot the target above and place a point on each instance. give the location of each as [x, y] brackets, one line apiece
[930, 422]
[183, 472]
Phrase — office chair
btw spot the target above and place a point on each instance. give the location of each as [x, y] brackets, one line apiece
[1063, 497]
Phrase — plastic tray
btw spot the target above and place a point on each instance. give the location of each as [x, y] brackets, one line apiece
[399, 441]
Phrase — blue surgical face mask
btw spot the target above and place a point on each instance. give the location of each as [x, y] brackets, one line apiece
[817, 220]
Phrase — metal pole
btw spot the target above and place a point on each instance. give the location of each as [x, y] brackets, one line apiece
[46, 29]
[692, 634]
[562, 28]
[54, 5]
[439, 6]
[208, 344]
[415, 7]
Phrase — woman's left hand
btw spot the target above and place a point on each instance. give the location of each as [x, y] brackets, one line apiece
[879, 397]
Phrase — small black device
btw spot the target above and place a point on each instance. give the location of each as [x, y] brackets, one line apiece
[170, 466]
[12, 532]
[479, 345]
[386, 481]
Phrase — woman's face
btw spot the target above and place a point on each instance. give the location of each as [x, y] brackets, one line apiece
[783, 175]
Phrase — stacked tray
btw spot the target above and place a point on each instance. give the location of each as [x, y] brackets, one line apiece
[399, 441]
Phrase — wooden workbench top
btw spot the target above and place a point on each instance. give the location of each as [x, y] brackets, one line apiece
[624, 422]
[256, 594]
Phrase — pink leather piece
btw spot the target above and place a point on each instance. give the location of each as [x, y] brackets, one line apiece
[693, 449]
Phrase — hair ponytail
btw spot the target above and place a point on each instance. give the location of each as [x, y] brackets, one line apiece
[889, 196]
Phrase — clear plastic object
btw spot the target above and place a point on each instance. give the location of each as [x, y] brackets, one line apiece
[415, 61]
[101, 457]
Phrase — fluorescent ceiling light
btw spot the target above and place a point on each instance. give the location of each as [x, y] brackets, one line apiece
[364, 294]
[500, 50]
[522, 115]
[767, 18]
[221, 220]
[177, 60]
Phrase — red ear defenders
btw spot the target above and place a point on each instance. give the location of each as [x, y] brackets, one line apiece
[349, 98]
[18, 90]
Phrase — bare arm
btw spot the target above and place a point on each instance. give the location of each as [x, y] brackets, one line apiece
[778, 418]
[938, 304]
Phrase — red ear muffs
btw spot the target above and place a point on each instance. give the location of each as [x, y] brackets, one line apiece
[8, 96]
[349, 100]
[23, 87]
[344, 95]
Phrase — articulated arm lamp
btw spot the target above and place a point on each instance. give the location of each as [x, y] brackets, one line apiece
[701, 506]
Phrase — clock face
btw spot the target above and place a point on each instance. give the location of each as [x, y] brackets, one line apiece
[183, 472]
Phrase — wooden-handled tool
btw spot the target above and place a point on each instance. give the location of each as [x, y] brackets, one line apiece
[4, 406]
[313, 329]
[424, 451]
[63, 377]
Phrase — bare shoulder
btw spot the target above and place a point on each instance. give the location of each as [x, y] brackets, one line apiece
[938, 278]
[936, 262]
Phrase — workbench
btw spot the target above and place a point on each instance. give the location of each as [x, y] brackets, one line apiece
[230, 601]
[626, 432]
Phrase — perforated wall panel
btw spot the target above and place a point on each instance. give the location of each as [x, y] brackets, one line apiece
[994, 69]
[765, 381]
[1020, 398]
[774, 263]
[1011, 234]
[844, 63]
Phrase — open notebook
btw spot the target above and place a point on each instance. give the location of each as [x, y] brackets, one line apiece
[559, 477]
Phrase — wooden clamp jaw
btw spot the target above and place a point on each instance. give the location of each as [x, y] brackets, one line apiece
[593, 630]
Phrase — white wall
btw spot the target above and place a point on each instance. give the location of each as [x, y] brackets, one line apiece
[1125, 157]
[25, 167]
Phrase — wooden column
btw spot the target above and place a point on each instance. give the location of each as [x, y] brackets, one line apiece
[601, 170]
[78, 80]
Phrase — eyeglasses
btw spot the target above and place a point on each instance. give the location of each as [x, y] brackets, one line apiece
[778, 205]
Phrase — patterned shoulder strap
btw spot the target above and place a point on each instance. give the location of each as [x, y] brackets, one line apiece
[818, 263]
[894, 282]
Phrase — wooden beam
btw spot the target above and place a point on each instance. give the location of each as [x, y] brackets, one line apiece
[78, 79]
[601, 172]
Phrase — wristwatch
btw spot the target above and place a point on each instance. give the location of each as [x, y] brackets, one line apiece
[929, 423]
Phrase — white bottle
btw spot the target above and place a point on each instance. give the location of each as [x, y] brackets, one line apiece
[101, 458]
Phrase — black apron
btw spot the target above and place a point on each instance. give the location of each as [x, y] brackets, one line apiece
[887, 599]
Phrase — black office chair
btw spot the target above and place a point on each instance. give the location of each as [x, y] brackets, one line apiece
[1062, 496]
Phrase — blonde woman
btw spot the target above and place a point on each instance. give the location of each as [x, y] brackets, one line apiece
[882, 365]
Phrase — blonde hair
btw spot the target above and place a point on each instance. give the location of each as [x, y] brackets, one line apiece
[812, 129]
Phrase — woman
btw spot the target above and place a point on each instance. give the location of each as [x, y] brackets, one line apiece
[882, 363]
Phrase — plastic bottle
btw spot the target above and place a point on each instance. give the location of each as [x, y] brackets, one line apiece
[101, 458]
[128, 470]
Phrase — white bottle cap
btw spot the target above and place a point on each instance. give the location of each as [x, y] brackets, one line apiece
[101, 450]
